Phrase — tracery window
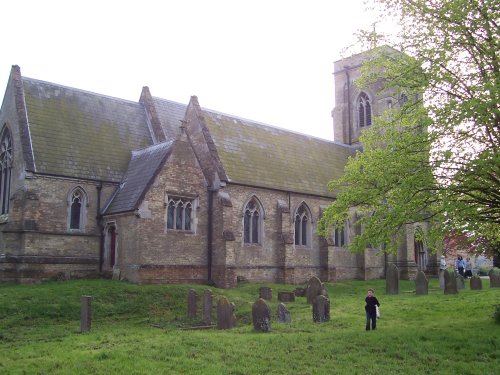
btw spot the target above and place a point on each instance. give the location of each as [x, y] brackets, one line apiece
[340, 236]
[252, 222]
[5, 169]
[302, 226]
[77, 209]
[364, 110]
[180, 213]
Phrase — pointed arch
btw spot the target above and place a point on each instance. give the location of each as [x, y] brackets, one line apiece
[78, 202]
[253, 221]
[302, 225]
[6, 162]
[421, 250]
[364, 108]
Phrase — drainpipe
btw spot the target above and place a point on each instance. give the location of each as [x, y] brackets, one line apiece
[209, 233]
[349, 116]
[99, 225]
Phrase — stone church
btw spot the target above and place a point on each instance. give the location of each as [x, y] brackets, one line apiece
[157, 191]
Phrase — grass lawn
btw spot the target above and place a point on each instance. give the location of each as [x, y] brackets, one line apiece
[135, 330]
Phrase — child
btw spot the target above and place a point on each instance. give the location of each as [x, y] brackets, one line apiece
[371, 312]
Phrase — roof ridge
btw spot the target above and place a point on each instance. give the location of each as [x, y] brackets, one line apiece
[80, 90]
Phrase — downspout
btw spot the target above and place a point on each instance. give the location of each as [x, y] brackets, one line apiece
[209, 234]
[349, 116]
[99, 225]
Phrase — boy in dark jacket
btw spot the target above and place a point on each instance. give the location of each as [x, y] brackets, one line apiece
[371, 312]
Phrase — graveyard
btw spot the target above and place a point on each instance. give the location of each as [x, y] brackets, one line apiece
[267, 328]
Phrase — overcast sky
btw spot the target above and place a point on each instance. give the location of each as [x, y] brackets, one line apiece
[265, 60]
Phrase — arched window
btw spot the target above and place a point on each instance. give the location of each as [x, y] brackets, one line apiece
[5, 169]
[77, 209]
[252, 222]
[364, 110]
[302, 226]
[180, 214]
[341, 236]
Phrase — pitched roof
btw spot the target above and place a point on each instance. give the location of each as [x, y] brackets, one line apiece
[261, 155]
[170, 115]
[82, 134]
[142, 169]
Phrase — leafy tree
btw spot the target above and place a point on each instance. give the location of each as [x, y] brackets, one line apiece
[436, 158]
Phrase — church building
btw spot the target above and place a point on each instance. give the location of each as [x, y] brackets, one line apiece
[157, 191]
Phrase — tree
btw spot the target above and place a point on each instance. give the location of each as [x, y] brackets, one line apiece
[436, 158]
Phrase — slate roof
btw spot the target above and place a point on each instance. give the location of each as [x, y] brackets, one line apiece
[142, 169]
[170, 115]
[261, 155]
[76, 133]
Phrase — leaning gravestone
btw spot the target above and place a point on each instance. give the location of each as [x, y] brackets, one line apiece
[494, 277]
[392, 280]
[476, 283]
[450, 282]
[321, 309]
[192, 297]
[460, 282]
[261, 316]
[225, 314]
[266, 293]
[315, 288]
[286, 296]
[207, 307]
[283, 315]
[421, 284]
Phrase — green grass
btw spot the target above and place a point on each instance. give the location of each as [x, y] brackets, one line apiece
[135, 330]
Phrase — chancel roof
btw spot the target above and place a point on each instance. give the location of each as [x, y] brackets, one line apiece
[82, 134]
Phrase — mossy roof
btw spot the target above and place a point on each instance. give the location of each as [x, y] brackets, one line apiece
[142, 169]
[81, 134]
[261, 155]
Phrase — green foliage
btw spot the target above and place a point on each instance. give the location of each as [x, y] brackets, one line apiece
[415, 335]
[449, 176]
[496, 314]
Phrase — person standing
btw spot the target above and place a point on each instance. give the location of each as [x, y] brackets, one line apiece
[371, 311]
[461, 265]
[468, 268]
[442, 268]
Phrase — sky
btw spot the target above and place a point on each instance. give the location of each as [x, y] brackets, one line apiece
[269, 61]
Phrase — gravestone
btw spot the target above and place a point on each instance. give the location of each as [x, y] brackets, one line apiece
[421, 284]
[225, 314]
[300, 292]
[315, 288]
[494, 277]
[207, 307]
[450, 282]
[321, 309]
[392, 280]
[266, 293]
[85, 313]
[191, 304]
[286, 296]
[261, 316]
[476, 283]
[283, 315]
[441, 278]
[460, 282]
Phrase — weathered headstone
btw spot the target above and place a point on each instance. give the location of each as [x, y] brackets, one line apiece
[494, 277]
[300, 292]
[392, 280]
[225, 314]
[450, 282]
[421, 284]
[321, 309]
[261, 316]
[266, 293]
[460, 282]
[207, 307]
[191, 304]
[283, 315]
[476, 283]
[286, 296]
[85, 313]
[314, 289]
[441, 278]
